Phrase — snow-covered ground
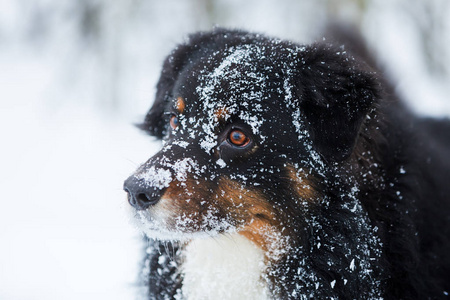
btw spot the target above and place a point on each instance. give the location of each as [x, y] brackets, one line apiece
[63, 231]
[66, 115]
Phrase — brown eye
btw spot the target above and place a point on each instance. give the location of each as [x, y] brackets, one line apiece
[174, 122]
[238, 138]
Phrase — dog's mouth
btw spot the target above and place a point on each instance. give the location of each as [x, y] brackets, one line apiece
[169, 224]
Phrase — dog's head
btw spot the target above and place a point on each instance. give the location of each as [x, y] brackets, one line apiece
[249, 125]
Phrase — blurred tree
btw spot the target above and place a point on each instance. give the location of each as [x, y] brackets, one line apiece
[352, 11]
[90, 16]
[430, 18]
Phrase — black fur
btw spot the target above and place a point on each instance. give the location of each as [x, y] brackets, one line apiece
[383, 203]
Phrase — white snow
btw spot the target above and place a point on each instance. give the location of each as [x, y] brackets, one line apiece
[156, 177]
[64, 233]
[352, 265]
[333, 283]
[221, 163]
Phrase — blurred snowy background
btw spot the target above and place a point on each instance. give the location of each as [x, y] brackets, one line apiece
[76, 74]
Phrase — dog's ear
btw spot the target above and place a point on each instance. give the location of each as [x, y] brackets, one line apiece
[335, 94]
[155, 122]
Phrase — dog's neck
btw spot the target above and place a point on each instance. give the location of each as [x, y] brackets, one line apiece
[225, 267]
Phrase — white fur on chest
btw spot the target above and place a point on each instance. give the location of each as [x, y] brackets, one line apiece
[225, 267]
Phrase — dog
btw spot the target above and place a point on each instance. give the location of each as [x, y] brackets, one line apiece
[289, 171]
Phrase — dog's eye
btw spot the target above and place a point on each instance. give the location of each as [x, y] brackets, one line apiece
[238, 138]
[174, 121]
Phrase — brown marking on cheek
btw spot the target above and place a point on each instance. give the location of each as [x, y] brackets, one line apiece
[259, 220]
[180, 105]
[187, 199]
[201, 205]
[246, 203]
[302, 184]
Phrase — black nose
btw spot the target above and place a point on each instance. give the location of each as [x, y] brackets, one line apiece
[139, 195]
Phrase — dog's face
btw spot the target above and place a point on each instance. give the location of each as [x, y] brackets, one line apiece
[249, 126]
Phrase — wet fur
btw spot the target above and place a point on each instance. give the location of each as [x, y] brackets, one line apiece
[369, 219]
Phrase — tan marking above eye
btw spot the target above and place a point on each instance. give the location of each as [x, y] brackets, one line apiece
[180, 105]
[221, 114]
